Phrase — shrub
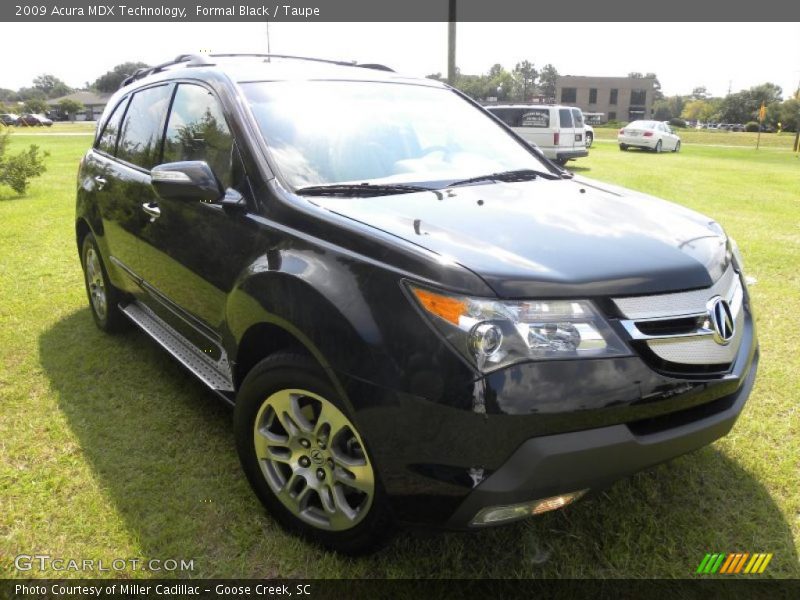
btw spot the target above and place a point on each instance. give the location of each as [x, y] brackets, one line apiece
[677, 122]
[16, 171]
[751, 126]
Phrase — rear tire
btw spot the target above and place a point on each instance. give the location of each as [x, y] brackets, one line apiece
[657, 149]
[561, 161]
[305, 459]
[104, 298]
[623, 147]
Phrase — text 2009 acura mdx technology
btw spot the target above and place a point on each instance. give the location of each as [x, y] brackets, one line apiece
[417, 317]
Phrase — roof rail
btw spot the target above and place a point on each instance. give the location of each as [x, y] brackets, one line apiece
[342, 63]
[195, 60]
[191, 60]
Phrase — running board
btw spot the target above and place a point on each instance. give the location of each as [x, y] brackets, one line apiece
[215, 374]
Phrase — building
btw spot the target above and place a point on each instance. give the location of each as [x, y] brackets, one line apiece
[617, 98]
[93, 105]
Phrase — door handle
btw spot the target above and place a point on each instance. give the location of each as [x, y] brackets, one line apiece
[100, 181]
[151, 208]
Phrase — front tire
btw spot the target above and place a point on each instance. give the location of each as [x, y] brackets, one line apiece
[589, 140]
[677, 146]
[104, 298]
[306, 460]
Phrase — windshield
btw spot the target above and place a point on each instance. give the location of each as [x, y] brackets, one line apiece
[330, 132]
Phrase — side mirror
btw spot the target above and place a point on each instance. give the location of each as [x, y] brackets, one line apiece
[188, 180]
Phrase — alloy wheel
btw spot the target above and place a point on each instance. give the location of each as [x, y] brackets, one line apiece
[313, 459]
[95, 283]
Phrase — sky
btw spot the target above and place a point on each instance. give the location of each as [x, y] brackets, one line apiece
[718, 56]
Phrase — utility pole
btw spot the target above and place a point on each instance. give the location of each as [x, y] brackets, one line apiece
[451, 43]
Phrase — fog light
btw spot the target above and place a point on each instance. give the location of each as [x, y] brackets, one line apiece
[501, 514]
[486, 339]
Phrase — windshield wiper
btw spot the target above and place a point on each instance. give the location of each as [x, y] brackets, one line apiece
[506, 176]
[360, 189]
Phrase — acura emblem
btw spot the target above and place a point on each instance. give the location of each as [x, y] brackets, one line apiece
[720, 318]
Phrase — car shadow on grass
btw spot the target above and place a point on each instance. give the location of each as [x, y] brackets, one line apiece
[161, 447]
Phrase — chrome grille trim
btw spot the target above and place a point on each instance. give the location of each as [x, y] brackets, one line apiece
[677, 304]
[695, 347]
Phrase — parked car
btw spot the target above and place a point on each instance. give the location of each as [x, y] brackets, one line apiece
[35, 120]
[9, 119]
[416, 316]
[650, 135]
[558, 131]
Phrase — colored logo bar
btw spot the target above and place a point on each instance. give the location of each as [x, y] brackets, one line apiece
[734, 562]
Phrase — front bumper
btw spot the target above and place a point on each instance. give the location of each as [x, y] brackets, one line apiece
[552, 465]
[536, 430]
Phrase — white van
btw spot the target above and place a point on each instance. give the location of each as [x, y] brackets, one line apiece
[558, 131]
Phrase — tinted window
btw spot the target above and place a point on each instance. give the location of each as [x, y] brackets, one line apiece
[565, 116]
[536, 118]
[569, 94]
[638, 97]
[592, 95]
[108, 139]
[612, 97]
[578, 116]
[140, 141]
[197, 131]
[509, 116]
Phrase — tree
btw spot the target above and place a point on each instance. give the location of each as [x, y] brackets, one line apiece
[657, 93]
[51, 86]
[700, 110]
[668, 108]
[768, 93]
[789, 114]
[436, 77]
[525, 76]
[700, 93]
[70, 108]
[7, 95]
[635, 75]
[548, 78]
[112, 79]
[35, 105]
[16, 171]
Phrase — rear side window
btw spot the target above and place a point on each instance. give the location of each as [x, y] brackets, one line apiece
[197, 131]
[506, 115]
[536, 118]
[578, 116]
[108, 139]
[140, 140]
[565, 116]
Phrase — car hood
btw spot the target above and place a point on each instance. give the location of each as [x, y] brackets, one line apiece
[548, 238]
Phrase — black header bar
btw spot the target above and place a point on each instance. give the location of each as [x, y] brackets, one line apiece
[398, 11]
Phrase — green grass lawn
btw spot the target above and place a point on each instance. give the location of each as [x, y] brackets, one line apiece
[57, 127]
[109, 449]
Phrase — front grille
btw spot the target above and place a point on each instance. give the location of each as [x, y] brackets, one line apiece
[673, 332]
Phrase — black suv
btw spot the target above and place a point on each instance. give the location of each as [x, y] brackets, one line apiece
[416, 316]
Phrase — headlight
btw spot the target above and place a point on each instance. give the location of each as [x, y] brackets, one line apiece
[494, 333]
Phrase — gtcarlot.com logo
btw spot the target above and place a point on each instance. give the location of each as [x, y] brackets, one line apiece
[734, 562]
[45, 562]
